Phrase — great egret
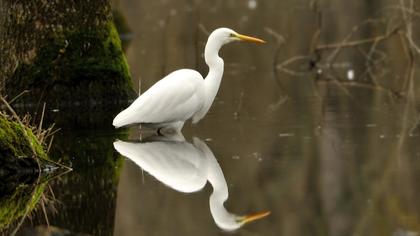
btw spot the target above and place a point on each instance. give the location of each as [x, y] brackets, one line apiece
[183, 94]
[187, 167]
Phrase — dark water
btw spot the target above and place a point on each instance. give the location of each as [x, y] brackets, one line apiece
[324, 157]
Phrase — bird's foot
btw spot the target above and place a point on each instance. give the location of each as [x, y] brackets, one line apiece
[165, 131]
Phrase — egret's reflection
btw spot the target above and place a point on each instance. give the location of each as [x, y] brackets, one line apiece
[186, 167]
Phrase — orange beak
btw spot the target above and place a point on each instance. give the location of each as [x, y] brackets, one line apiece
[253, 217]
[249, 38]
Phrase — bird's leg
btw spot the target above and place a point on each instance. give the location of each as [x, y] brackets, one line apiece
[160, 131]
[140, 133]
[165, 131]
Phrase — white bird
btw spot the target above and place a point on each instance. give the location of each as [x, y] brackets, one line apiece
[183, 94]
[187, 167]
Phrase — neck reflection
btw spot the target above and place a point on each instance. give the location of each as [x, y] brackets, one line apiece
[186, 167]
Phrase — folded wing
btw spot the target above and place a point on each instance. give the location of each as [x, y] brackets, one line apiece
[176, 97]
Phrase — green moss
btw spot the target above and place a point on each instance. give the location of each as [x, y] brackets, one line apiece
[79, 66]
[23, 201]
[13, 141]
[16, 155]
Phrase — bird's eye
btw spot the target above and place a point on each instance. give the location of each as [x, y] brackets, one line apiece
[232, 35]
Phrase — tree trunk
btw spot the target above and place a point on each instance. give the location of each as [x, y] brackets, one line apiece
[65, 52]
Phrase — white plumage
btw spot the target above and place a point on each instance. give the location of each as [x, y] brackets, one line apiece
[187, 167]
[178, 164]
[183, 94]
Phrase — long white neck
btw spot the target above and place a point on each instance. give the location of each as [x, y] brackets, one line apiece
[220, 194]
[223, 218]
[214, 77]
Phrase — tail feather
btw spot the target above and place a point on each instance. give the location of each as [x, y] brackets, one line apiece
[122, 119]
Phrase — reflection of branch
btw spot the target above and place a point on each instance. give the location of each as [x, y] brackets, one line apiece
[321, 58]
[370, 62]
[280, 42]
[279, 38]
[315, 57]
[414, 125]
[364, 85]
[203, 29]
[359, 42]
[283, 66]
[378, 190]
[408, 44]
[409, 25]
[404, 9]
[293, 59]
[346, 43]
[239, 107]
[293, 72]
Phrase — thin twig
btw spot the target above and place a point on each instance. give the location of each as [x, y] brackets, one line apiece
[293, 59]
[280, 42]
[18, 96]
[203, 29]
[41, 121]
[409, 25]
[44, 210]
[50, 144]
[21, 124]
[354, 43]
[58, 164]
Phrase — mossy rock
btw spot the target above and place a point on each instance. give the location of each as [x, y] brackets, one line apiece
[18, 162]
[76, 67]
[21, 202]
[14, 142]
[18, 170]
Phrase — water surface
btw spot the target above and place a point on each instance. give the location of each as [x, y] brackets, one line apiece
[324, 158]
